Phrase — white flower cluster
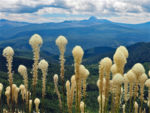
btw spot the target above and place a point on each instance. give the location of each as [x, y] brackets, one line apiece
[8, 51]
[35, 40]
[43, 65]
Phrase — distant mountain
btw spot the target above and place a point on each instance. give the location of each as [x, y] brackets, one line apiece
[4, 22]
[17, 26]
[142, 26]
[88, 33]
[94, 20]
[6, 25]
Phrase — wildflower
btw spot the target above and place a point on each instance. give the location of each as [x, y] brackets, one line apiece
[23, 71]
[22, 88]
[82, 106]
[123, 50]
[57, 91]
[77, 54]
[61, 42]
[35, 42]
[43, 65]
[68, 95]
[8, 52]
[37, 102]
[136, 107]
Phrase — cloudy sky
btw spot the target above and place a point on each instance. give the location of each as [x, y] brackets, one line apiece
[40, 11]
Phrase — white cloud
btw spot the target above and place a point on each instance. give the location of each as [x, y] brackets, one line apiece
[76, 6]
[37, 18]
[131, 18]
[19, 5]
[52, 10]
[26, 10]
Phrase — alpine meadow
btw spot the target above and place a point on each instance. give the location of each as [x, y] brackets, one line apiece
[74, 56]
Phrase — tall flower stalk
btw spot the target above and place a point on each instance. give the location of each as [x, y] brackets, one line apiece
[117, 80]
[101, 110]
[35, 42]
[142, 80]
[132, 79]
[101, 75]
[61, 42]
[37, 102]
[16, 91]
[120, 59]
[138, 70]
[23, 92]
[68, 95]
[7, 94]
[77, 54]
[8, 53]
[84, 73]
[72, 91]
[43, 65]
[57, 91]
[23, 71]
[107, 66]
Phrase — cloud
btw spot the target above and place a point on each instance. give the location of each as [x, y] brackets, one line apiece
[72, 9]
[75, 6]
[37, 18]
[23, 6]
[52, 10]
[131, 18]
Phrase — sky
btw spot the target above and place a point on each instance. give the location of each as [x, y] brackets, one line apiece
[41, 11]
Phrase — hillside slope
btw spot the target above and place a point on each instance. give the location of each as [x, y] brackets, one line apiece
[139, 52]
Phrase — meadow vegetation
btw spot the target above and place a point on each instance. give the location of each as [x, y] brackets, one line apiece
[48, 88]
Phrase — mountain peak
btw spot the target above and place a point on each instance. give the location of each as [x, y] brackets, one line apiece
[95, 19]
[92, 18]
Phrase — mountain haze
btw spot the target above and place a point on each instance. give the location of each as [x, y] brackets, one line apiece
[87, 33]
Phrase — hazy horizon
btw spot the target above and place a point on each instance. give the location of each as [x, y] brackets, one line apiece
[73, 20]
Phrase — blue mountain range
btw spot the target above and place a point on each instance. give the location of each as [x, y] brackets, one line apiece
[88, 33]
